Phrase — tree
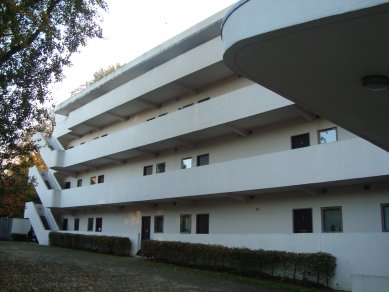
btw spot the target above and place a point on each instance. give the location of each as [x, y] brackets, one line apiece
[37, 39]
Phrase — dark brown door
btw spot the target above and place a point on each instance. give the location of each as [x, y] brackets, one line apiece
[146, 228]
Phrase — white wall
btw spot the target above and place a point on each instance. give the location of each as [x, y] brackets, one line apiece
[266, 221]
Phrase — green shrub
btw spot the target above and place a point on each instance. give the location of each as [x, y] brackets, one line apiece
[314, 267]
[120, 246]
[18, 237]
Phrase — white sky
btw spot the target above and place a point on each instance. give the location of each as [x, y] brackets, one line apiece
[130, 29]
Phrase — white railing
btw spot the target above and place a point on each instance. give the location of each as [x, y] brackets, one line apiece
[33, 213]
[344, 160]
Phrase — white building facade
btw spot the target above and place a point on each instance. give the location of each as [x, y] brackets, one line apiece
[176, 146]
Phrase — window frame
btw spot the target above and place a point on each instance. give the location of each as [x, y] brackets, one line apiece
[158, 226]
[79, 182]
[324, 130]
[323, 209]
[383, 206]
[300, 135]
[76, 226]
[93, 180]
[182, 230]
[65, 224]
[145, 168]
[99, 224]
[90, 224]
[198, 216]
[186, 158]
[201, 156]
[100, 179]
[164, 167]
[295, 230]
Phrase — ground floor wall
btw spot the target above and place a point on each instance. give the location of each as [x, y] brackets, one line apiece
[262, 221]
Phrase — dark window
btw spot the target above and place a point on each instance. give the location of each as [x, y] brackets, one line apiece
[93, 180]
[300, 141]
[202, 223]
[385, 217]
[327, 136]
[65, 224]
[186, 163]
[90, 224]
[160, 167]
[151, 119]
[204, 99]
[148, 170]
[100, 179]
[203, 159]
[302, 221]
[105, 135]
[186, 223]
[158, 224]
[99, 224]
[76, 224]
[331, 218]
[67, 185]
[79, 182]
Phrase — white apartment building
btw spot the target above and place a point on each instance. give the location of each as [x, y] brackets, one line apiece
[176, 146]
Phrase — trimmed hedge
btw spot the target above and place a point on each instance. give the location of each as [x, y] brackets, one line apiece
[313, 267]
[120, 246]
[18, 237]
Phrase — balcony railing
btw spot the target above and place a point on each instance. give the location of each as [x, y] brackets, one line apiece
[351, 159]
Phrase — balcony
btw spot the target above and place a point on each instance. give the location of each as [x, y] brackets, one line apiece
[334, 163]
[236, 111]
[306, 52]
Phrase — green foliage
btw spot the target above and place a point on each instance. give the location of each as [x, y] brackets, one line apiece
[18, 237]
[120, 246]
[315, 267]
[37, 39]
[99, 74]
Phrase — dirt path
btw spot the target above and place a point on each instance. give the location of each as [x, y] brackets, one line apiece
[30, 267]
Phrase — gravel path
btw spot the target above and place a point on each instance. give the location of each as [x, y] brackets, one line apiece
[30, 267]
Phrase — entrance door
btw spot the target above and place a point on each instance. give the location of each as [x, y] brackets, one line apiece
[146, 228]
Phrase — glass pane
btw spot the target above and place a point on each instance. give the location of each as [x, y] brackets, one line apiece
[332, 220]
[185, 224]
[203, 160]
[327, 136]
[386, 218]
[160, 167]
[186, 163]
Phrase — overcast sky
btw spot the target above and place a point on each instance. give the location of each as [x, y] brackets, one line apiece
[130, 29]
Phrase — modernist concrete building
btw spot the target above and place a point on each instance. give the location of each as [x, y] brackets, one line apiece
[176, 146]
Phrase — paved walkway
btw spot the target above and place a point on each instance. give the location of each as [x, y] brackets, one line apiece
[30, 267]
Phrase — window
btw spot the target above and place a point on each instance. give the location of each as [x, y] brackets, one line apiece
[203, 160]
[160, 167]
[148, 170]
[385, 217]
[185, 223]
[300, 141]
[99, 224]
[158, 224]
[76, 224]
[331, 218]
[302, 220]
[79, 182]
[67, 185]
[90, 224]
[65, 224]
[100, 179]
[202, 224]
[187, 105]
[327, 136]
[186, 163]
[93, 180]
[204, 99]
